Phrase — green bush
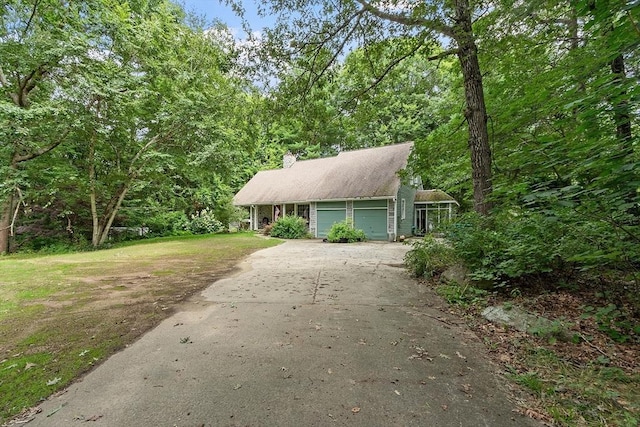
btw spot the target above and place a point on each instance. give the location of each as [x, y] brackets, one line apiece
[345, 232]
[167, 223]
[429, 257]
[515, 246]
[227, 213]
[289, 227]
[508, 245]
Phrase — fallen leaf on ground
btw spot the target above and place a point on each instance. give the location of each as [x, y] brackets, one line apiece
[54, 381]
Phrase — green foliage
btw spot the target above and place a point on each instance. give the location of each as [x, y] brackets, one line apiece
[577, 395]
[464, 296]
[227, 213]
[516, 244]
[204, 222]
[613, 321]
[500, 248]
[167, 223]
[157, 112]
[345, 232]
[429, 257]
[552, 331]
[530, 380]
[289, 227]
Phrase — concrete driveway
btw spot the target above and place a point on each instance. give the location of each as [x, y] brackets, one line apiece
[307, 334]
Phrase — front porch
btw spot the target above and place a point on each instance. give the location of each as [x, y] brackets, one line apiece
[261, 215]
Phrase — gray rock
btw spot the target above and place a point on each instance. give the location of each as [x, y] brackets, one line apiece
[456, 273]
[523, 321]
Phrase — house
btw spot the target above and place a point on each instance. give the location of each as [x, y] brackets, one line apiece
[363, 185]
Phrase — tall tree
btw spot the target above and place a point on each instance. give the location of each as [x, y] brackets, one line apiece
[156, 91]
[41, 43]
[324, 31]
[130, 92]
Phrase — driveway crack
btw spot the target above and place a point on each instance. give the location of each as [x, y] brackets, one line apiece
[315, 288]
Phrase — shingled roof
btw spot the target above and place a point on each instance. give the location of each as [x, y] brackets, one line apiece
[368, 173]
[433, 196]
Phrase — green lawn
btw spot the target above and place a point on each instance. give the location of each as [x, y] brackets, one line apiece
[60, 315]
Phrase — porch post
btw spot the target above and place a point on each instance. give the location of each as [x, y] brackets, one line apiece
[395, 219]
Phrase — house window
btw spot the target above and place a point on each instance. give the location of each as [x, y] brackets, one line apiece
[403, 209]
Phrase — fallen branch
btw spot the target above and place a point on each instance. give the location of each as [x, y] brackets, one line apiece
[593, 345]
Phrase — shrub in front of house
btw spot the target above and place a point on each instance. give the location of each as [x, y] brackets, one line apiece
[345, 232]
[289, 227]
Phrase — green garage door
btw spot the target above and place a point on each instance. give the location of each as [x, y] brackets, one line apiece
[372, 221]
[328, 214]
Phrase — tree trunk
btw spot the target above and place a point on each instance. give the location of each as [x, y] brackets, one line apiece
[110, 213]
[475, 111]
[6, 209]
[621, 114]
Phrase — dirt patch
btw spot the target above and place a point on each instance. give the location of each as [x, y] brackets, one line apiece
[129, 304]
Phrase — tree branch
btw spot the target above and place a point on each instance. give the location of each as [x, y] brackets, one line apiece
[15, 213]
[33, 14]
[633, 21]
[386, 71]
[434, 25]
[313, 78]
[442, 55]
[40, 152]
[357, 15]
[3, 78]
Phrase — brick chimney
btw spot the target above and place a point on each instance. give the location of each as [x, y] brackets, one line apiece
[288, 160]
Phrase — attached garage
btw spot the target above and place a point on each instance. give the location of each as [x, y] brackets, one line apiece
[371, 217]
[328, 214]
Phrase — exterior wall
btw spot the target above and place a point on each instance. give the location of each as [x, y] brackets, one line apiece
[406, 224]
[258, 213]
